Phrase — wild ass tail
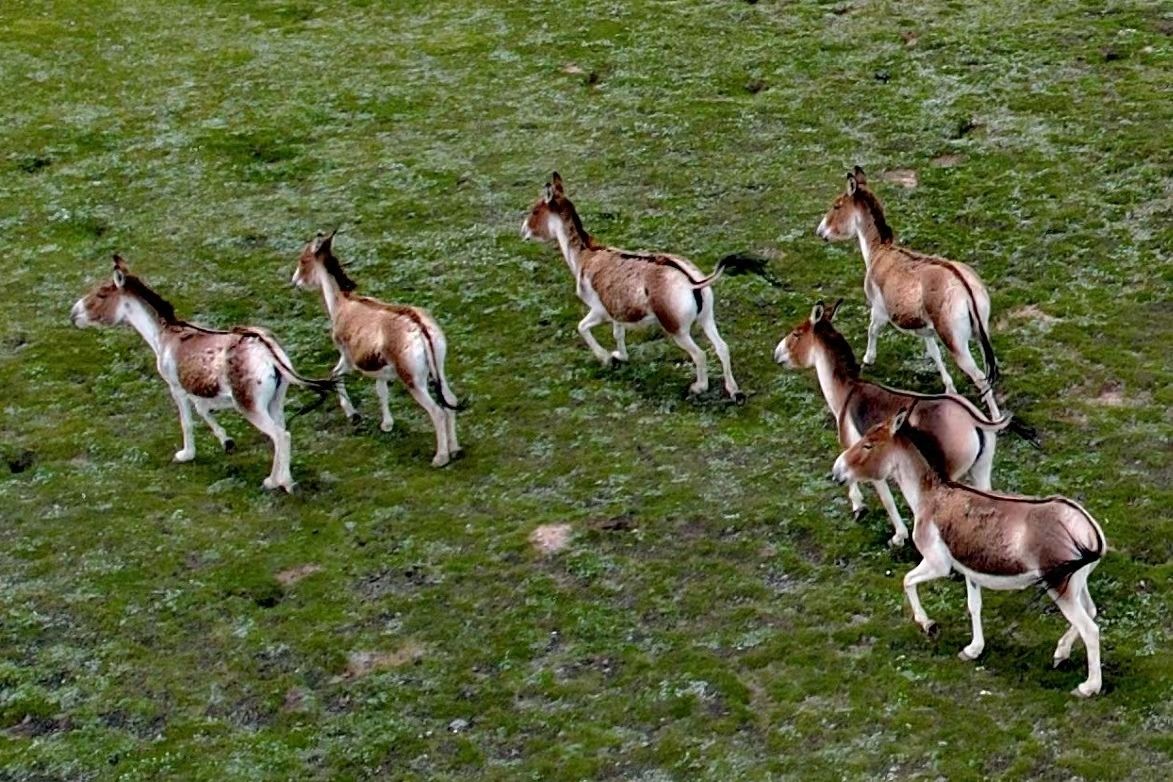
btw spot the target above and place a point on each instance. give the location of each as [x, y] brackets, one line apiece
[439, 383]
[1026, 432]
[1056, 577]
[979, 325]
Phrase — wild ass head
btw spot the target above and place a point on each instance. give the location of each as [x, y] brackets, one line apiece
[797, 349]
[849, 210]
[317, 262]
[115, 300]
[553, 217]
[873, 457]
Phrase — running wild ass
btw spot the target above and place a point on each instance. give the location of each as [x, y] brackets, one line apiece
[964, 436]
[382, 341]
[926, 295]
[996, 541]
[631, 288]
[206, 369]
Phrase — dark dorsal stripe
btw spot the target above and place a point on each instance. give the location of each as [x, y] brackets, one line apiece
[835, 344]
[334, 268]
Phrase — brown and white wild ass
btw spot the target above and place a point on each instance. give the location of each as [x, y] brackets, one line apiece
[204, 368]
[631, 288]
[996, 541]
[929, 296]
[382, 341]
[964, 436]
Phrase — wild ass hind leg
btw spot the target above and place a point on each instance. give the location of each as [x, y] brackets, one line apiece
[709, 327]
[934, 352]
[960, 351]
[973, 600]
[1071, 603]
[593, 318]
[983, 466]
[384, 394]
[936, 564]
[279, 474]
[340, 369]
[419, 392]
[1067, 641]
[188, 451]
[684, 340]
[204, 409]
[900, 532]
[620, 334]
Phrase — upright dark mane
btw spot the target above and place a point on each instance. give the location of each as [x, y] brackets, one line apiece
[836, 344]
[335, 270]
[872, 204]
[929, 448]
[576, 221]
[136, 287]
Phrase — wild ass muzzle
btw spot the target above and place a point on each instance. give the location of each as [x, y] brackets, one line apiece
[207, 369]
[964, 436]
[996, 541]
[629, 289]
[923, 294]
[382, 341]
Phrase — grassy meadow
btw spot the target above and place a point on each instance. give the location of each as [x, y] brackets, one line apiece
[716, 613]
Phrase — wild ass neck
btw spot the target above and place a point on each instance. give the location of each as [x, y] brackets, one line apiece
[331, 293]
[146, 322]
[869, 236]
[833, 381]
[913, 475]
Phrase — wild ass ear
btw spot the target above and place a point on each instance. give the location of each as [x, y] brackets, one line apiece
[817, 312]
[548, 193]
[556, 181]
[898, 420]
[324, 243]
[832, 311]
[860, 176]
[120, 270]
[852, 184]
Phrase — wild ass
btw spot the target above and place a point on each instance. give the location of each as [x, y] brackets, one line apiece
[631, 288]
[920, 293]
[996, 541]
[965, 437]
[204, 368]
[382, 341]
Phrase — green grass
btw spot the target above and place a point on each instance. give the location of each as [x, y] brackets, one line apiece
[717, 614]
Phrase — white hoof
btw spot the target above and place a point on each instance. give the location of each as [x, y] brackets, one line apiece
[183, 456]
[698, 388]
[1086, 690]
[269, 484]
[441, 460]
[898, 540]
[387, 426]
[617, 356]
[969, 654]
[1057, 661]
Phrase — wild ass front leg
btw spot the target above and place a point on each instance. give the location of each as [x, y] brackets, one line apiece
[973, 599]
[592, 319]
[205, 412]
[934, 352]
[620, 334]
[181, 401]
[929, 569]
[340, 369]
[900, 532]
[384, 405]
[878, 318]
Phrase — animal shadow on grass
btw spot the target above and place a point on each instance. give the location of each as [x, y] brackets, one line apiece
[662, 379]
